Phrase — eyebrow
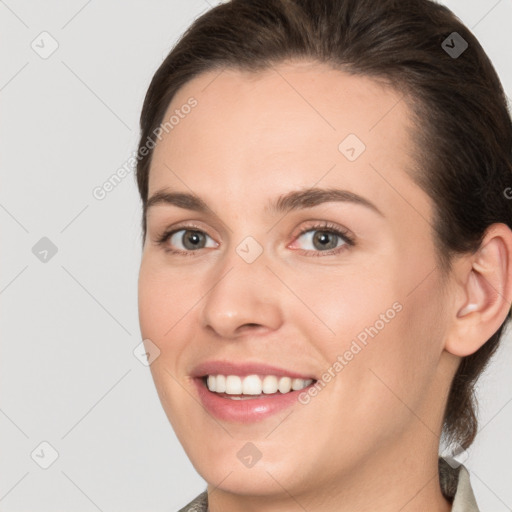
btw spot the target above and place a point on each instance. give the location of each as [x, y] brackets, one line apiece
[294, 200]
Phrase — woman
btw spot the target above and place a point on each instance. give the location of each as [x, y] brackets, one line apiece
[326, 251]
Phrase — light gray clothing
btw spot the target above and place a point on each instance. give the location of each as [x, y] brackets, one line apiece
[454, 481]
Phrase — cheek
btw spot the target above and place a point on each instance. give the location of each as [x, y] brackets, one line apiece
[164, 297]
[339, 305]
[162, 303]
[150, 296]
[370, 320]
[401, 360]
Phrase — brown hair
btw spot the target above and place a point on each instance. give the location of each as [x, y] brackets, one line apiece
[463, 139]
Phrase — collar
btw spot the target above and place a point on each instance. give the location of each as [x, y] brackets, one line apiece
[456, 485]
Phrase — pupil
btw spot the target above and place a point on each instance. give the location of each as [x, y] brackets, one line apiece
[323, 238]
[194, 237]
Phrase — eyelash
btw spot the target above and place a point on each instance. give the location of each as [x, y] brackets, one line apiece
[325, 226]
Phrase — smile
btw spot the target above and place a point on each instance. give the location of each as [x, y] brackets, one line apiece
[244, 408]
[254, 385]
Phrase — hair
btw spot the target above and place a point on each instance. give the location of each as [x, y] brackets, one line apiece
[463, 130]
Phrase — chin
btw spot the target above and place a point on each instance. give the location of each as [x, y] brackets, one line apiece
[254, 482]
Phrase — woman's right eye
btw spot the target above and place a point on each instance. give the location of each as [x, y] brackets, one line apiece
[190, 239]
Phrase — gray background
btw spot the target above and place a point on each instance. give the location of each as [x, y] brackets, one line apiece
[69, 325]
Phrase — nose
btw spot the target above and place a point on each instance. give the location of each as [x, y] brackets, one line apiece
[242, 298]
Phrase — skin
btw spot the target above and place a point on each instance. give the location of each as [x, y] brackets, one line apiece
[369, 439]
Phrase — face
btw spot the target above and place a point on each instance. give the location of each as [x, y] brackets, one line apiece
[277, 276]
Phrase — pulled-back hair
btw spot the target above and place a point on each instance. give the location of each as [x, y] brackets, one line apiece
[463, 136]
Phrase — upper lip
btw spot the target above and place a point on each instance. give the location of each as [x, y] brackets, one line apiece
[244, 369]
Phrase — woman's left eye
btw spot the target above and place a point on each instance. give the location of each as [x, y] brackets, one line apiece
[325, 239]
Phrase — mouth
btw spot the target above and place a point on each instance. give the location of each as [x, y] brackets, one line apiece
[251, 398]
[253, 386]
[247, 391]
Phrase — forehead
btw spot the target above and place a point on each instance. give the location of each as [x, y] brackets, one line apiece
[293, 124]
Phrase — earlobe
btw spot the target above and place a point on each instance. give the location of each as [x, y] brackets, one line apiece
[486, 289]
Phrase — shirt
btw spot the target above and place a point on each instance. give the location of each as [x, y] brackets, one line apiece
[455, 486]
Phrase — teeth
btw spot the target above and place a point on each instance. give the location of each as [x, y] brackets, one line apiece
[254, 385]
[251, 385]
[220, 384]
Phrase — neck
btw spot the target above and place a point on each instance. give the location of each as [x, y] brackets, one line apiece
[388, 480]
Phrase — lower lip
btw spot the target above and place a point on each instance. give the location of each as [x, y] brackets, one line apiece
[249, 410]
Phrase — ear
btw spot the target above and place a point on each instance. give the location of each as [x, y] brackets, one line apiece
[483, 294]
